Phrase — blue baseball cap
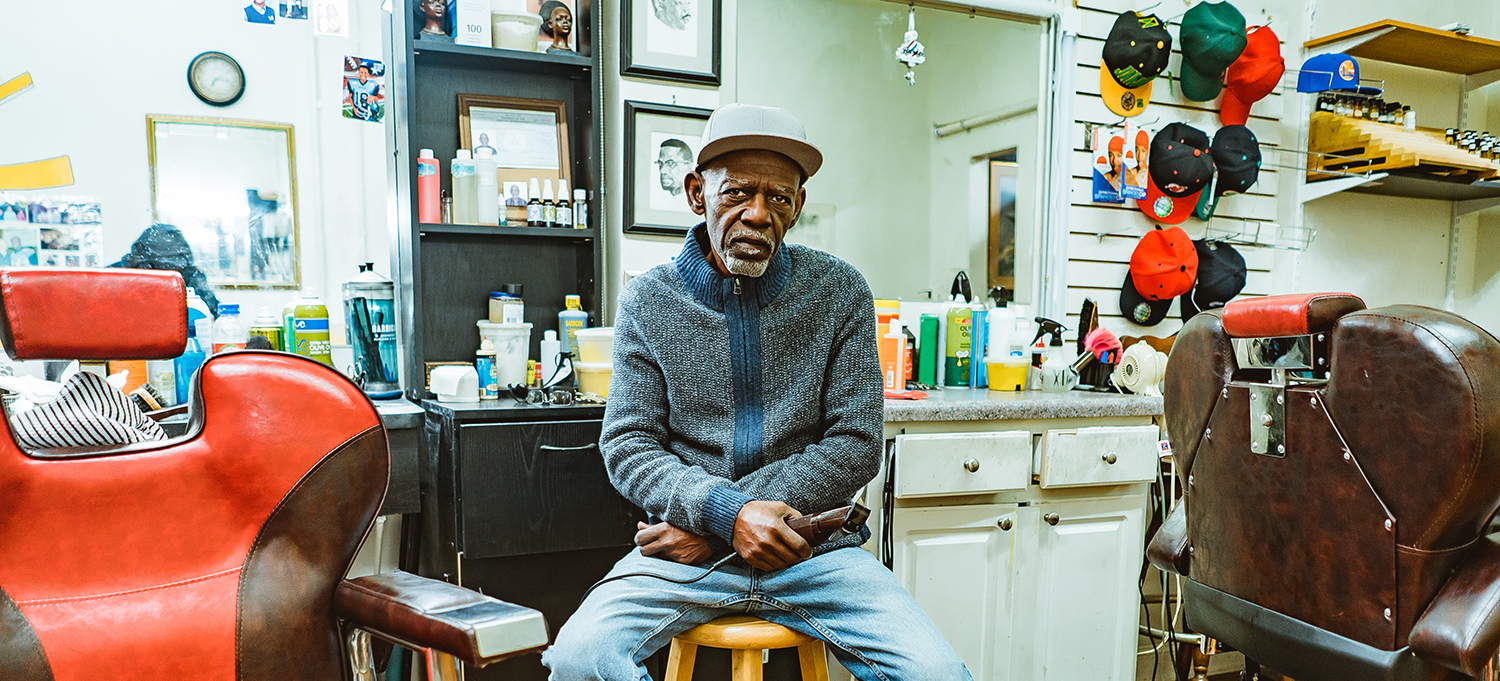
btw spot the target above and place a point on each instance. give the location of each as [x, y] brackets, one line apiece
[1332, 71]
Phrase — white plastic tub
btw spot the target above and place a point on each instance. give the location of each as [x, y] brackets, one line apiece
[594, 378]
[596, 345]
[512, 347]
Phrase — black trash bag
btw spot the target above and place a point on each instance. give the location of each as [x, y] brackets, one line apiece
[162, 247]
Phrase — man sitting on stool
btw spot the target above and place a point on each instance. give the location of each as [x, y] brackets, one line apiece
[746, 392]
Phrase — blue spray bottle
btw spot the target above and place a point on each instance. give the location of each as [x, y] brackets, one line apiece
[192, 357]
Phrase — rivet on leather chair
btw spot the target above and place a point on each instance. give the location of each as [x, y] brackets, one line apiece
[220, 554]
[746, 637]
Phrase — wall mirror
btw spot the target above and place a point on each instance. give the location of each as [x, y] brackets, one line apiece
[230, 187]
[920, 181]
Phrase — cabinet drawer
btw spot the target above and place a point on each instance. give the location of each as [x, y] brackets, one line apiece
[962, 463]
[1106, 455]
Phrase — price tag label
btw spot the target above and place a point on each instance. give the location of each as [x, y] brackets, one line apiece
[473, 20]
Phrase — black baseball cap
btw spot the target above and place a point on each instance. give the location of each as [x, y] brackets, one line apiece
[1221, 277]
[1180, 161]
[1134, 54]
[1236, 155]
[1140, 311]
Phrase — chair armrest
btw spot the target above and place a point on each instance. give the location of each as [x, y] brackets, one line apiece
[1168, 549]
[426, 613]
[1461, 627]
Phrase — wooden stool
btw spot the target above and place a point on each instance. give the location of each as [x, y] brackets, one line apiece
[745, 637]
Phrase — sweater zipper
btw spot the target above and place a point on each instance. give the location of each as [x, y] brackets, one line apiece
[736, 285]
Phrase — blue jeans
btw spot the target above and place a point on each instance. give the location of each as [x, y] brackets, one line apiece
[845, 597]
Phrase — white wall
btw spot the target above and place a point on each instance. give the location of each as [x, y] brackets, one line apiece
[100, 68]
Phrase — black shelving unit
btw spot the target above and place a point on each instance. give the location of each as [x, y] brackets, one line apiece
[449, 270]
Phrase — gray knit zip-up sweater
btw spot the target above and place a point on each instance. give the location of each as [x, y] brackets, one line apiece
[732, 389]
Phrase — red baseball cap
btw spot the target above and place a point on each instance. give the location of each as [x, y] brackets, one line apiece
[1168, 209]
[1253, 76]
[1164, 264]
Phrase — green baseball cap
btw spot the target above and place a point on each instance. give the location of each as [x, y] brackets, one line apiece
[1212, 36]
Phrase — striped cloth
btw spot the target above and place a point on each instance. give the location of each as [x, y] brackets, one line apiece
[88, 413]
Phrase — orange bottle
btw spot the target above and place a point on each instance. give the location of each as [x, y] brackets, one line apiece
[893, 357]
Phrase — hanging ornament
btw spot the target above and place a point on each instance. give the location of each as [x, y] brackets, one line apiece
[911, 51]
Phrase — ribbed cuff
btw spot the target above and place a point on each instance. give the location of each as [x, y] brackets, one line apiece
[722, 508]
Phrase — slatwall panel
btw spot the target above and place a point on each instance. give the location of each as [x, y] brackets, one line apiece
[1097, 265]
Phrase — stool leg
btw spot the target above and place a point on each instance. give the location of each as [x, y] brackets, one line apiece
[680, 661]
[814, 659]
[745, 665]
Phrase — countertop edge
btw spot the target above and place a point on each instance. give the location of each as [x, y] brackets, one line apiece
[1032, 406]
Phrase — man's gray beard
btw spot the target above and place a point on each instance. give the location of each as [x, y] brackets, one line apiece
[745, 268]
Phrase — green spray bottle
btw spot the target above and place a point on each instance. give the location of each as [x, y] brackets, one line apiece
[958, 325]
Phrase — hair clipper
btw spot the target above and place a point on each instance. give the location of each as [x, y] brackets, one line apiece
[830, 525]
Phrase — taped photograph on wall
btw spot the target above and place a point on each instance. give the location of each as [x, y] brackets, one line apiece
[331, 18]
[1108, 146]
[671, 39]
[364, 89]
[661, 145]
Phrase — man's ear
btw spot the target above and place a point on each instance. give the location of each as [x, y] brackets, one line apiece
[692, 183]
[801, 201]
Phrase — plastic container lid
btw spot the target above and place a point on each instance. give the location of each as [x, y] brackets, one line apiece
[483, 152]
[549, 335]
[463, 154]
[580, 195]
[593, 367]
[573, 301]
[425, 153]
[265, 318]
[486, 347]
[501, 295]
[596, 333]
[513, 290]
[225, 308]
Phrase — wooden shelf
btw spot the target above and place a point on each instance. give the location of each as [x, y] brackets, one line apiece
[492, 58]
[1382, 147]
[496, 230]
[1398, 42]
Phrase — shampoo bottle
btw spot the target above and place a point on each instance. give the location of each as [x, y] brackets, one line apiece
[956, 354]
[429, 188]
[488, 192]
[465, 189]
[187, 364]
[893, 357]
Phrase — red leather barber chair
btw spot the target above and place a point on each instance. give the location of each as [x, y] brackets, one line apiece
[220, 554]
[1341, 466]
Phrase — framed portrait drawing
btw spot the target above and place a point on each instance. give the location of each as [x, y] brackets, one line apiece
[671, 39]
[528, 137]
[661, 145]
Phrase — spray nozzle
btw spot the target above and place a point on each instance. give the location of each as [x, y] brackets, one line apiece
[1046, 326]
[1001, 295]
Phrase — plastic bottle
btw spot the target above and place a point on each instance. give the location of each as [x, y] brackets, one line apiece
[550, 350]
[549, 208]
[267, 326]
[465, 189]
[956, 352]
[229, 332]
[162, 375]
[288, 338]
[893, 357]
[484, 363]
[564, 206]
[534, 205]
[569, 321]
[487, 188]
[1020, 339]
[429, 188]
[580, 209]
[1058, 375]
[978, 332]
[1002, 324]
[197, 309]
[310, 329]
[192, 357]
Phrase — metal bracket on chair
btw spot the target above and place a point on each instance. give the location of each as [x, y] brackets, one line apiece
[361, 660]
[1268, 400]
[1268, 418]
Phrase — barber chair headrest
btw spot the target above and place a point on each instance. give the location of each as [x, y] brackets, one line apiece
[92, 314]
[1296, 314]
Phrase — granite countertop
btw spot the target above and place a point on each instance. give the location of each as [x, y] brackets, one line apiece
[963, 404]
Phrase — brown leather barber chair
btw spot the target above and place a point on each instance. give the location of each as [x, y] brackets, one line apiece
[1341, 466]
[220, 554]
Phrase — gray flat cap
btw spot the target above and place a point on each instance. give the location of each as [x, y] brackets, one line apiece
[737, 127]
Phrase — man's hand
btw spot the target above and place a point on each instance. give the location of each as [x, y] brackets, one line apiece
[763, 539]
[669, 542]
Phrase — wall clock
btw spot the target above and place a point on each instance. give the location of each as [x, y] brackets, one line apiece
[216, 78]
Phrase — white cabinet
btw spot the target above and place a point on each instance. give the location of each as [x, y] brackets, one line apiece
[1027, 564]
[1088, 558]
[956, 561]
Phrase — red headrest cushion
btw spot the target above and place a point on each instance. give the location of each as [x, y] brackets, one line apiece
[52, 313]
[1296, 314]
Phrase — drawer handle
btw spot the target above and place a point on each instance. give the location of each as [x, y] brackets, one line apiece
[1004, 524]
[972, 465]
[1110, 458]
[554, 448]
[1051, 518]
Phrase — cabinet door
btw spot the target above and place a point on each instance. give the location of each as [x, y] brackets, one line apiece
[536, 488]
[956, 561]
[1087, 562]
